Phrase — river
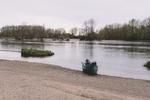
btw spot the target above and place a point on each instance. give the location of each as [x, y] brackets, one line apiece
[114, 58]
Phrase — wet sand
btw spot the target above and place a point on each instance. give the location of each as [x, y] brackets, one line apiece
[35, 81]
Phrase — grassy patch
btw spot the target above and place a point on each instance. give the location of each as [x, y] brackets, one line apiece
[147, 65]
[35, 53]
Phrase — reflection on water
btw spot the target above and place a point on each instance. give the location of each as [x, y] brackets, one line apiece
[116, 58]
[16, 45]
[131, 49]
[88, 51]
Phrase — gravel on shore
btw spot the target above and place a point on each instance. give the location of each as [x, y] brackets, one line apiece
[34, 81]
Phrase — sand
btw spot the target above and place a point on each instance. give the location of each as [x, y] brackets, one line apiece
[35, 81]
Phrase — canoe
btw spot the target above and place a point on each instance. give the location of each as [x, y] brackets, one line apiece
[90, 69]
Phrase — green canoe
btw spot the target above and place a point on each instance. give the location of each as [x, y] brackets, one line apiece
[90, 68]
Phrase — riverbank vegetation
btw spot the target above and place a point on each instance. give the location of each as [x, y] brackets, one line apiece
[134, 30]
[147, 65]
[35, 53]
[23, 32]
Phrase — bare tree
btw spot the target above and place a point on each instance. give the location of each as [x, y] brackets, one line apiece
[74, 31]
[89, 26]
[91, 23]
[60, 30]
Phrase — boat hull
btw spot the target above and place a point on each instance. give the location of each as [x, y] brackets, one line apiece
[90, 69]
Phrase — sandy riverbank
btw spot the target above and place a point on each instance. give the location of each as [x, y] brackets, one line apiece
[34, 81]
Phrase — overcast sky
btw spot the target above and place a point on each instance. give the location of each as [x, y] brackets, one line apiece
[71, 13]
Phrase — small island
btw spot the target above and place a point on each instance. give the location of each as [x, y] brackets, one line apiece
[29, 52]
[147, 65]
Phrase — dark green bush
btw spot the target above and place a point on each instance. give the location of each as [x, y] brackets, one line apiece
[147, 65]
[35, 53]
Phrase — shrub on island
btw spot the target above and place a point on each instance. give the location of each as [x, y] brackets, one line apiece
[35, 53]
[147, 65]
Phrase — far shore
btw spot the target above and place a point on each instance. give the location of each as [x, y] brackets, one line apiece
[20, 80]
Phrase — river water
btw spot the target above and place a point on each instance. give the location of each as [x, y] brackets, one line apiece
[114, 58]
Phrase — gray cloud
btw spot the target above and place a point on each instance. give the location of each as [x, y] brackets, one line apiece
[70, 13]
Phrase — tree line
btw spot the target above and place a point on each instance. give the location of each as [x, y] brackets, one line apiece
[133, 30]
[22, 32]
